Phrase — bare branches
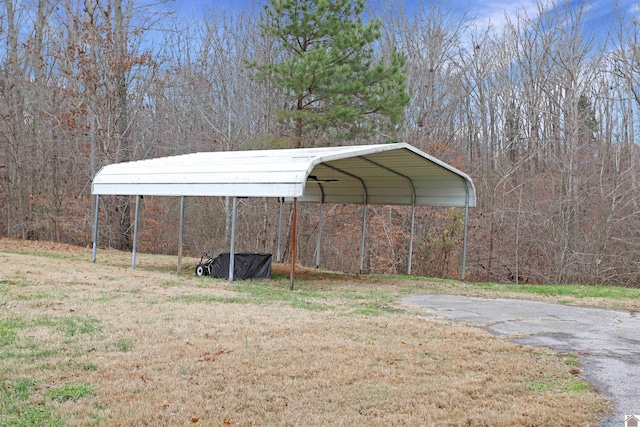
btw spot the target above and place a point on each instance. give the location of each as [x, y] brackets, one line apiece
[541, 110]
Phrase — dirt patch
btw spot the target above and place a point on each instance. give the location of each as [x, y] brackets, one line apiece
[157, 348]
[309, 273]
[41, 246]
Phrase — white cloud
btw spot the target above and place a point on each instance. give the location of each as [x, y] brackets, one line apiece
[494, 14]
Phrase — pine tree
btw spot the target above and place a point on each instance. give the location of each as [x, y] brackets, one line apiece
[329, 71]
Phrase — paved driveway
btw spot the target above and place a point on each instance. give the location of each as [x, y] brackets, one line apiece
[607, 342]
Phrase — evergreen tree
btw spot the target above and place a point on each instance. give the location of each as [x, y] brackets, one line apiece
[588, 124]
[329, 71]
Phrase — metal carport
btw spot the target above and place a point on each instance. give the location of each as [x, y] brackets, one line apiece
[382, 174]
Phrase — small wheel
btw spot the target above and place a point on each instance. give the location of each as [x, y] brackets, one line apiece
[200, 270]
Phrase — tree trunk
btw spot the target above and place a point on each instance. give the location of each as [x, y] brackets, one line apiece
[122, 110]
[18, 191]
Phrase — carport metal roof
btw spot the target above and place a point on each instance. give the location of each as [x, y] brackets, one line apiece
[383, 174]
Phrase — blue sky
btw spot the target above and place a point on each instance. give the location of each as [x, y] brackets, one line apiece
[484, 11]
[196, 7]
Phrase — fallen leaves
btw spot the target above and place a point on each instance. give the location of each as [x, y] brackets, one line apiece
[163, 404]
[209, 357]
[206, 357]
[284, 400]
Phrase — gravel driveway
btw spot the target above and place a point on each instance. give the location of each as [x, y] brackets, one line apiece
[607, 342]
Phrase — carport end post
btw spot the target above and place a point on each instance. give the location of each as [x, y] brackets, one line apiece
[232, 249]
[293, 242]
[180, 234]
[466, 225]
[135, 233]
[95, 230]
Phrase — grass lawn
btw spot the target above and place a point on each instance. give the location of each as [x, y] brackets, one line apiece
[103, 344]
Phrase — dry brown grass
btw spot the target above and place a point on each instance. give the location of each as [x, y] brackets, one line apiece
[179, 350]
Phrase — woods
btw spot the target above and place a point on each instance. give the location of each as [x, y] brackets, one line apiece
[540, 111]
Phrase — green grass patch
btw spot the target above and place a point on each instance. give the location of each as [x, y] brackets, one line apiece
[72, 326]
[538, 386]
[8, 330]
[572, 360]
[122, 345]
[368, 302]
[576, 291]
[15, 282]
[89, 367]
[54, 255]
[70, 392]
[210, 299]
[14, 345]
[578, 386]
[17, 410]
[172, 283]
[410, 277]
[30, 352]
[265, 292]
[359, 301]
[559, 384]
[69, 326]
[78, 283]
[37, 296]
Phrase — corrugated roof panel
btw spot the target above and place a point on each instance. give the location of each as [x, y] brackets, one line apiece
[258, 177]
[296, 173]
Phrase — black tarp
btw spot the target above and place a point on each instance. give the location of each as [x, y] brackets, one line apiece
[245, 266]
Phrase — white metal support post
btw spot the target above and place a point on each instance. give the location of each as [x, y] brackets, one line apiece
[466, 221]
[135, 233]
[279, 251]
[294, 232]
[318, 243]
[95, 230]
[232, 251]
[180, 233]
[413, 220]
[364, 235]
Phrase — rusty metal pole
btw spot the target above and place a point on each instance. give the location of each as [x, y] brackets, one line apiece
[294, 231]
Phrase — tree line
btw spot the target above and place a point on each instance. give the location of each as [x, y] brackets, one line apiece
[541, 112]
